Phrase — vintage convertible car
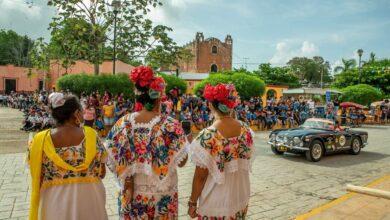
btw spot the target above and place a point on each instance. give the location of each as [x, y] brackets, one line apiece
[315, 138]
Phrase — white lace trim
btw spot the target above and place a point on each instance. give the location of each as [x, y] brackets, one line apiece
[149, 125]
[202, 158]
[223, 212]
[145, 168]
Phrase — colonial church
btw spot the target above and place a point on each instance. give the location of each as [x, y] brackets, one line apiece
[209, 55]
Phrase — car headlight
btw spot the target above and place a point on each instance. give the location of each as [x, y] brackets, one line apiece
[273, 137]
[297, 140]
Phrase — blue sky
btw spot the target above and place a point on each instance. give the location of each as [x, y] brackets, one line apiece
[262, 30]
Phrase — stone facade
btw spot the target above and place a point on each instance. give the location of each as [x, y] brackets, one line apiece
[210, 55]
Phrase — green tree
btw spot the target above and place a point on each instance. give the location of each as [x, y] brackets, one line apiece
[375, 73]
[310, 69]
[247, 85]
[162, 56]
[372, 57]
[14, 48]
[277, 75]
[362, 93]
[174, 82]
[136, 34]
[40, 56]
[346, 65]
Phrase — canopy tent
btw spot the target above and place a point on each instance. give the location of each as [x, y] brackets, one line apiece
[309, 91]
[351, 104]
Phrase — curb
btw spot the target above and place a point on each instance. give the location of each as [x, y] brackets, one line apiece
[343, 198]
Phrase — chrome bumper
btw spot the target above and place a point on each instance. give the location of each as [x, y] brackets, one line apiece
[287, 146]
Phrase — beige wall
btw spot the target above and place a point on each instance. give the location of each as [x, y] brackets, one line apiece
[30, 84]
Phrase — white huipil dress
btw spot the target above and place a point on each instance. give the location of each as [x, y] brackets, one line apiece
[67, 195]
[150, 153]
[228, 160]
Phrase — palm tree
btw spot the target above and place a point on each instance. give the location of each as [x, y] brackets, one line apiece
[347, 65]
[372, 57]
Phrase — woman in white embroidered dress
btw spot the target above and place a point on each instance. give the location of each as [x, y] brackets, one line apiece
[144, 150]
[67, 164]
[222, 154]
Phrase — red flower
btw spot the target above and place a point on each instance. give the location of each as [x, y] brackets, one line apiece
[157, 84]
[142, 75]
[221, 93]
[138, 107]
[208, 92]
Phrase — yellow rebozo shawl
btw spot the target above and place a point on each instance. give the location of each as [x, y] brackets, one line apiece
[42, 143]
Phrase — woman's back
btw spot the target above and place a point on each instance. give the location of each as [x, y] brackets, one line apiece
[225, 149]
[229, 128]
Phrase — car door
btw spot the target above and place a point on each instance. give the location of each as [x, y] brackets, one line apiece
[342, 139]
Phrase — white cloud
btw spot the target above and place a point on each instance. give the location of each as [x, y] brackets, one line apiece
[336, 38]
[9, 7]
[287, 49]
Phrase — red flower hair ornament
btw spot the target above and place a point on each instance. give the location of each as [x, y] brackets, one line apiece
[224, 94]
[143, 76]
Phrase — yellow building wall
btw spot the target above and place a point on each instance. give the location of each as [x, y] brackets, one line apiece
[277, 89]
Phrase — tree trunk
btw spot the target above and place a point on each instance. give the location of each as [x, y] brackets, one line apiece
[96, 68]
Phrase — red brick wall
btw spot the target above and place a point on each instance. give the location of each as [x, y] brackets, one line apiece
[203, 56]
[223, 57]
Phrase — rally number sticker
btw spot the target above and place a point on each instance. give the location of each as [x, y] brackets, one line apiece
[342, 140]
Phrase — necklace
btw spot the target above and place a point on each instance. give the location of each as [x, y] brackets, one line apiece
[222, 117]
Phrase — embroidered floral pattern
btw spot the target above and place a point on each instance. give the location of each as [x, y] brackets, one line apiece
[151, 149]
[224, 150]
[150, 207]
[74, 156]
[156, 146]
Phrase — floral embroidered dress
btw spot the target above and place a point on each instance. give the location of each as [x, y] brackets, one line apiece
[228, 160]
[150, 153]
[65, 194]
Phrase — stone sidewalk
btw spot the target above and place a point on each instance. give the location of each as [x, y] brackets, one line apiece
[355, 206]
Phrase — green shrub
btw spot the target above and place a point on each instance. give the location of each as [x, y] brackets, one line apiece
[247, 85]
[115, 84]
[174, 81]
[362, 93]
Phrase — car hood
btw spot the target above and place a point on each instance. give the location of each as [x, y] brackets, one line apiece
[299, 132]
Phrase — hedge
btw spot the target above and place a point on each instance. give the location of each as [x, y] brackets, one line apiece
[174, 81]
[247, 85]
[115, 84]
[362, 94]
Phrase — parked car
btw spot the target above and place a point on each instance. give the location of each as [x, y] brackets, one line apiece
[316, 138]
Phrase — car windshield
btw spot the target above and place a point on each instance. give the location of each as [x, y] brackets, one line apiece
[318, 124]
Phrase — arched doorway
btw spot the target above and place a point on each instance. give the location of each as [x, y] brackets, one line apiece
[214, 68]
[271, 94]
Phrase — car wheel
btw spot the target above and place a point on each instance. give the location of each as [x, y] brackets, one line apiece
[356, 146]
[315, 152]
[273, 148]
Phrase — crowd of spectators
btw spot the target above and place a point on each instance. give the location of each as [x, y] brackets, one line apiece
[103, 110]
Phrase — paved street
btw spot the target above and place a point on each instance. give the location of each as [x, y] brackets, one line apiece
[282, 186]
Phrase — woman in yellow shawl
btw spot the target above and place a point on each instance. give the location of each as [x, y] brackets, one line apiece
[67, 164]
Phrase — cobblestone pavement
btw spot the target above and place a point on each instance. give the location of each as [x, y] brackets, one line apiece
[282, 186]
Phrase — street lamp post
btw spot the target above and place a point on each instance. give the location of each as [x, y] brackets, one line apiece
[360, 53]
[322, 74]
[116, 5]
